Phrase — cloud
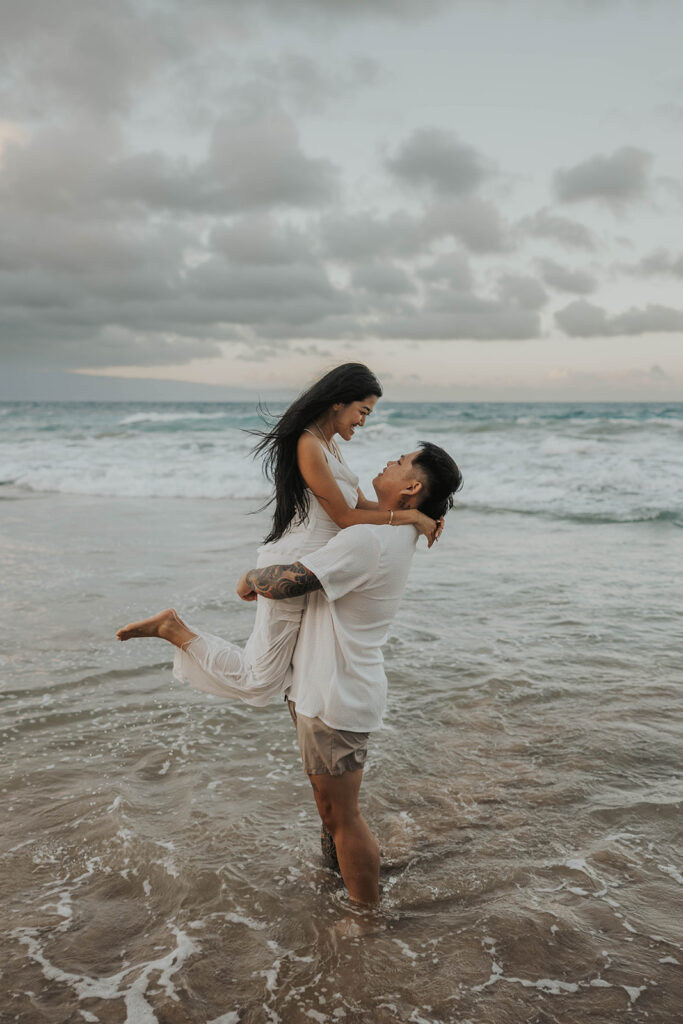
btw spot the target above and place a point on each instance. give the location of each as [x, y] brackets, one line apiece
[437, 159]
[475, 222]
[565, 279]
[452, 269]
[382, 279]
[259, 239]
[521, 291]
[256, 155]
[309, 85]
[409, 10]
[582, 319]
[615, 180]
[660, 262]
[451, 311]
[482, 321]
[364, 235]
[92, 57]
[254, 161]
[569, 233]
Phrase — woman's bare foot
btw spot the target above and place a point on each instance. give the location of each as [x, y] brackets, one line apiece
[166, 625]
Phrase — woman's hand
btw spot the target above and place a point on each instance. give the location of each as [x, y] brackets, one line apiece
[244, 590]
[429, 527]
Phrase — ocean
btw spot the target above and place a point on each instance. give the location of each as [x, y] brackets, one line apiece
[160, 848]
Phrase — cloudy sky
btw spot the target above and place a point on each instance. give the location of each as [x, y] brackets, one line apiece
[482, 199]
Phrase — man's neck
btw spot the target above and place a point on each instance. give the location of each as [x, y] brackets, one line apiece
[387, 505]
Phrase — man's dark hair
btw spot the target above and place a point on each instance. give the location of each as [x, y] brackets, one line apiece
[442, 479]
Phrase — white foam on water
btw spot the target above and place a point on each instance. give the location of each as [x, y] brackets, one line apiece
[19, 846]
[114, 986]
[169, 417]
[632, 992]
[406, 950]
[669, 869]
[541, 463]
[243, 919]
[169, 866]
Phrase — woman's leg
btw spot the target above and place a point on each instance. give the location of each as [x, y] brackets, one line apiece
[166, 625]
[256, 674]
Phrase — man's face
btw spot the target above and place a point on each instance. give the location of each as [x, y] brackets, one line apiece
[395, 477]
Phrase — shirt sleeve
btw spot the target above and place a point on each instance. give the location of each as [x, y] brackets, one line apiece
[346, 562]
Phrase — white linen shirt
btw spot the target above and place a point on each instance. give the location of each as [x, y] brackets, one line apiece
[338, 667]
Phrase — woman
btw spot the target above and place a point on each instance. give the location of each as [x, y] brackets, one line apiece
[316, 495]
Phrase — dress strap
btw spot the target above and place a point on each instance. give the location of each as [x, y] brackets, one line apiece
[336, 455]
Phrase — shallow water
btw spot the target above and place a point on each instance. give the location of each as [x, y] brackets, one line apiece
[160, 855]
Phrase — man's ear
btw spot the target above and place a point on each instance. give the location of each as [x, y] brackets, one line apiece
[412, 489]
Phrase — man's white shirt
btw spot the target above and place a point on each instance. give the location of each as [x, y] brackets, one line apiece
[338, 668]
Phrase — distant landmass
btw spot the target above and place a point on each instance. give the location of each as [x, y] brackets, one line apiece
[30, 385]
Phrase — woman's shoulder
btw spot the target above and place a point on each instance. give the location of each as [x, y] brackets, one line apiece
[307, 439]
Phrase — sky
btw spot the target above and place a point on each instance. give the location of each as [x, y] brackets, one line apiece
[481, 199]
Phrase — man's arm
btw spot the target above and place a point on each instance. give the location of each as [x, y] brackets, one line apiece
[277, 582]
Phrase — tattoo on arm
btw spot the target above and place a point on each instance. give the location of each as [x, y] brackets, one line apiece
[282, 581]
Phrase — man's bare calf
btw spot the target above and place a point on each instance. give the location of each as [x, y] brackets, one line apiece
[336, 797]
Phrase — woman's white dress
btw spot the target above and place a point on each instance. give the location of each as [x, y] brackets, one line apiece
[258, 672]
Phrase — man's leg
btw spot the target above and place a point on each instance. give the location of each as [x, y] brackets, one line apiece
[336, 797]
[329, 850]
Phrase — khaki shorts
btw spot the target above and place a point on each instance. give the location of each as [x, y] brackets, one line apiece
[327, 751]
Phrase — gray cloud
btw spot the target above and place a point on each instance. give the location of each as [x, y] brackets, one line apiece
[452, 269]
[565, 279]
[569, 233]
[437, 159]
[308, 85]
[660, 262]
[521, 291]
[255, 161]
[582, 319]
[93, 57]
[259, 239]
[362, 236]
[482, 321]
[455, 312]
[473, 221]
[615, 180]
[359, 237]
[382, 279]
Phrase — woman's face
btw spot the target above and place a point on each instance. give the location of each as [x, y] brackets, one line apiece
[348, 417]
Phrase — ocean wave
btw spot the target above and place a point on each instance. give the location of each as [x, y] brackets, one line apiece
[673, 516]
[130, 485]
[169, 417]
[531, 460]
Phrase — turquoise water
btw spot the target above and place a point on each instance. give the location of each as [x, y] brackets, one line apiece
[610, 462]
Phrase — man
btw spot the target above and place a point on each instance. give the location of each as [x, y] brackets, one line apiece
[338, 689]
[338, 686]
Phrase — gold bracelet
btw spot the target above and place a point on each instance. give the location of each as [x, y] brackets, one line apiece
[391, 517]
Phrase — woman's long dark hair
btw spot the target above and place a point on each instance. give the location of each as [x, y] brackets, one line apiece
[350, 382]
